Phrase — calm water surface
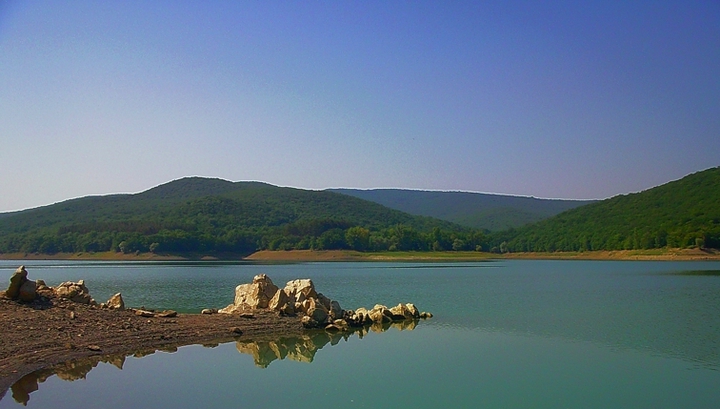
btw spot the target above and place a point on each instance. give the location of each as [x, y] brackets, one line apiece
[506, 334]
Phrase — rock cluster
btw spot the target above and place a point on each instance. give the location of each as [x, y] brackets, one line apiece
[299, 297]
[75, 292]
[25, 290]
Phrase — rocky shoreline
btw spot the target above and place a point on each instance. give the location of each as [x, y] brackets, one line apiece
[60, 324]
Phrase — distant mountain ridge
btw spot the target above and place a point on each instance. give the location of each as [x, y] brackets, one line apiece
[214, 215]
[477, 210]
[679, 214]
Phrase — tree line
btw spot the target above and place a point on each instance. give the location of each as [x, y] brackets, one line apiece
[138, 237]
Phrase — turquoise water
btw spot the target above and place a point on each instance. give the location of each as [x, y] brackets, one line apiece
[506, 334]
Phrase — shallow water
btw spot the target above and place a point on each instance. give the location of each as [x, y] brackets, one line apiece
[505, 334]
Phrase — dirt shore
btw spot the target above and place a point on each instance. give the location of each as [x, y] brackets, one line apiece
[350, 255]
[41, 335]
[347, 255]
[101, 256]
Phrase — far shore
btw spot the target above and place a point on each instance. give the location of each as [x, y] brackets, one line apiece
[350, 255]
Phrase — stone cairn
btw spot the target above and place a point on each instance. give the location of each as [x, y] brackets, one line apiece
[299, 297]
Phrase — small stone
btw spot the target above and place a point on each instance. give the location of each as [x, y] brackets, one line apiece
[93, 348]
[167, 314]
[72, 315]
[308, 322]
[247, 315]
[208, 311]
[143, 313]
[236, 330]
[116, 302]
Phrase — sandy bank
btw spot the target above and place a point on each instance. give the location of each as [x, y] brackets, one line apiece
[350, 255]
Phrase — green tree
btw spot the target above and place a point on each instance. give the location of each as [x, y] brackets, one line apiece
[358, 238]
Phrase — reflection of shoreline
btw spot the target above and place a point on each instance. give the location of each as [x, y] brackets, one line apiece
[298, 348]
[72, 371]
[303, 348]
[68, 371]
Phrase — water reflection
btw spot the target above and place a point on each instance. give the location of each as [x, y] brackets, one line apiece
[296, 348]
[303, 348]
[697, 273]
[68, 371]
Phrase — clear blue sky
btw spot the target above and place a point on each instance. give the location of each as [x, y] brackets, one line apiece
[570, 99]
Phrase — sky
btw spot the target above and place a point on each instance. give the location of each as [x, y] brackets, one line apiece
[554, 99]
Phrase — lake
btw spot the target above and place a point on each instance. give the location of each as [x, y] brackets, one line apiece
[506, 334]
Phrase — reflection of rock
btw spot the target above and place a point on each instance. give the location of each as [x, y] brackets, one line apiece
[117, 361]
[405, 325]
[72, 371]
[68, 371]
[22, 389]
[304, 348]
[301, 349]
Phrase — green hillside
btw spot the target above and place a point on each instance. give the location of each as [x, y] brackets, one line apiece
[682, 213]
[476, 210]
[200, 215]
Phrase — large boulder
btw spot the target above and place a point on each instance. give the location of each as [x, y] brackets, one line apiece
[257, 294]
[317, 311]
[401, 312]
[413, 310]
[16, 281]
[359, 317]
[300, 290]
[282, 303]
[380, 314]
[336, 312]
[28, 291]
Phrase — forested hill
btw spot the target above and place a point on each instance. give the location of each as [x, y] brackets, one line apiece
[204, 215]
[477, 210]
[681, 213]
